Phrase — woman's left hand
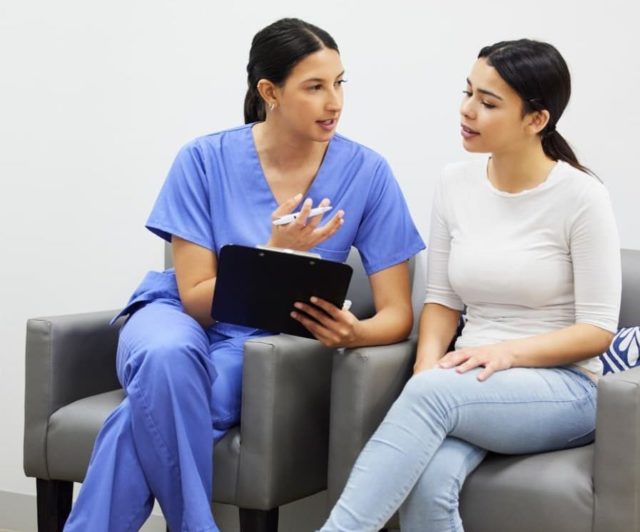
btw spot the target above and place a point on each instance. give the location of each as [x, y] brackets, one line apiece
[494, 357]
[330, 325]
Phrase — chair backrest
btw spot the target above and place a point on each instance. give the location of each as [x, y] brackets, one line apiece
[630, 306]
[359, 290]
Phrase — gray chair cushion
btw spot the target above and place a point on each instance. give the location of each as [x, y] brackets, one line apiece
[72, 432]
[533, 493]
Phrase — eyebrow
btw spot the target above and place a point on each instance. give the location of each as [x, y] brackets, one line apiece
[484, 91]
[321, 79]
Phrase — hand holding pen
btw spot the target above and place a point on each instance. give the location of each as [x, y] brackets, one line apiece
[301, 230]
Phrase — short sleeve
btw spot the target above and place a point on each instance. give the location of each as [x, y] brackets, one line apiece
[386, 235]
[595, 253]
[183, 205]
[438, 287]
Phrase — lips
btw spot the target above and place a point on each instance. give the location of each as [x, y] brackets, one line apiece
[467, 132]
[327, 124]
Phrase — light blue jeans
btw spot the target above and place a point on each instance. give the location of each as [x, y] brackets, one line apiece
[440, 429]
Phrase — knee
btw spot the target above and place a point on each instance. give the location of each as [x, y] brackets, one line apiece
[423, 386]
[432, 392]
[169, 356]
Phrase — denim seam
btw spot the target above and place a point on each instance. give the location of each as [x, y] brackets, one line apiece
[541, 401]
[454, 494]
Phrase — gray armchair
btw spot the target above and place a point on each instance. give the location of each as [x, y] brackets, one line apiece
[593, 488]
[277, 455]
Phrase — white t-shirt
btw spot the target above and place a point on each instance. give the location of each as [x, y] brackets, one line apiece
[524, 263]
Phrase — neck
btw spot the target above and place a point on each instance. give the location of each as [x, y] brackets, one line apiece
[519, 169]
[283, 148]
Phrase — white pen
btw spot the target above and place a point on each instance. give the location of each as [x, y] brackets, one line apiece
[288, 218]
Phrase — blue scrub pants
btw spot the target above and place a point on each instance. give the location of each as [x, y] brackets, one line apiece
[183, 391]
[440, 429]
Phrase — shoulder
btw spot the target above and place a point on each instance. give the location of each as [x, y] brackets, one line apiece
[217, 141]
[351, 150]
[580, 186]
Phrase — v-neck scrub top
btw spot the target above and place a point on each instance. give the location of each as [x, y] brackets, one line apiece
[216, 193]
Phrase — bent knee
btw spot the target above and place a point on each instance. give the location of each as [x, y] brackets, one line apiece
[429, 382]
[162, 349]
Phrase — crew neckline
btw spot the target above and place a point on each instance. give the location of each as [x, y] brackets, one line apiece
[549, 180]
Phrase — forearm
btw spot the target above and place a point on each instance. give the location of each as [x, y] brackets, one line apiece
[197, 301]
[389, 325]
[564, 346]
[438, 325]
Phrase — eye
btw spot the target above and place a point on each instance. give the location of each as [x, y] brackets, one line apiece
[340, 82]
[488, 105]
[315, 88]
[467, 93]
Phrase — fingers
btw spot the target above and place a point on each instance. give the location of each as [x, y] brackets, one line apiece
[330, 228]
[453, 359]
[315, 221]
[330, 325]
[304, 232]
[464, 360]
[486, 373]
[301, 221]
[321, 314]
[286, 206]
[321, 333]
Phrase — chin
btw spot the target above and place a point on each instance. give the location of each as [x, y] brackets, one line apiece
[472, 147]
[322, 137]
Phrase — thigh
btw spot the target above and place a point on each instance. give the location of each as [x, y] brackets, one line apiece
[519, 410]
[163, 332]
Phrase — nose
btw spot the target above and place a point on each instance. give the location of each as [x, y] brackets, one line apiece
[466, 108]
[334, 100]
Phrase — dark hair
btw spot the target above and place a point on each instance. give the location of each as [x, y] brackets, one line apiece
[275, 50]
[540, 76]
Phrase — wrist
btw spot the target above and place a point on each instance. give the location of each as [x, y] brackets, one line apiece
[358, 336]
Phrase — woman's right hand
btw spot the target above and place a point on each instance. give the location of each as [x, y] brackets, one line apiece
[303, 233]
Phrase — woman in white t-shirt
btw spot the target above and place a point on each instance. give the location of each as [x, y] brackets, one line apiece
[525, 243]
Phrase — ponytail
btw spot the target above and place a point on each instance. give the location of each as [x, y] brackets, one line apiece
[557, 148]
[253, 106]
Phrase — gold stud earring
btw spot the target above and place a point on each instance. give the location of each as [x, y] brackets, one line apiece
[272, 106]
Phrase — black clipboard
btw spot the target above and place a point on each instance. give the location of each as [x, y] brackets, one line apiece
[257, 287]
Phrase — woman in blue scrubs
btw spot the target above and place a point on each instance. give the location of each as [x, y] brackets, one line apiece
[182, 372]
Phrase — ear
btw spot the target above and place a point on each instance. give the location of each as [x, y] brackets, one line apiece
[268, 91]
[537, 121]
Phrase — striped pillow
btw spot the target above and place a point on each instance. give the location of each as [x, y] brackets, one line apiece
[624, 351]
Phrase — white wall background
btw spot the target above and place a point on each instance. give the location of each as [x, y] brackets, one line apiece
[97, 97]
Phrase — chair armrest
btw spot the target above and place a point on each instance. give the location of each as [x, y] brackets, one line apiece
[285, 420]
[365, 383]
[67, 358]
[617, 453]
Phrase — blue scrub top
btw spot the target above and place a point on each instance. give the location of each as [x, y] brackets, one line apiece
[216, 193]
